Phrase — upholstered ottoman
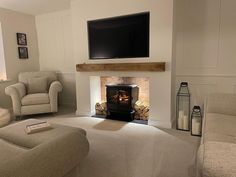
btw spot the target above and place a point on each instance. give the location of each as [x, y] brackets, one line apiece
[5, 117]
[53, 153]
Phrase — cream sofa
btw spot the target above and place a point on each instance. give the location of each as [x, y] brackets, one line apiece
[217, 152]
[53, 153]
[36, 92]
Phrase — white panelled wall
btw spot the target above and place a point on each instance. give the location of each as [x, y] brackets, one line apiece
[205, 48]
[55, 48]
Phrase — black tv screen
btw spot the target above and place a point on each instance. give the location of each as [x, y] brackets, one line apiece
[119, 37]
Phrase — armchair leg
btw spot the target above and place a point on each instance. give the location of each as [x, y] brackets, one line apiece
[54, 114]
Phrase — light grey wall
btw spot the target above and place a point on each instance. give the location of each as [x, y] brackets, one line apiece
[13, 22]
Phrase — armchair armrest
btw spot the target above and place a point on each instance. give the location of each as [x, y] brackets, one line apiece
[16, 92]
[54, 89]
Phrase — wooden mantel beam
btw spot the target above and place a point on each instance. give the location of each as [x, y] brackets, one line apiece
[148, 66]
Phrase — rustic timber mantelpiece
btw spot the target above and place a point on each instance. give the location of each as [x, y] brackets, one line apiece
[148, 66]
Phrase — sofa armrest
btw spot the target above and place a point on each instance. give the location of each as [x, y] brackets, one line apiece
[54, 158]
[54, 89]
[16, 92]
[221, 103]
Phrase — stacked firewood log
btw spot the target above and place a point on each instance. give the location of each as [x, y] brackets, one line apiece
[141, 110]
[101, 108]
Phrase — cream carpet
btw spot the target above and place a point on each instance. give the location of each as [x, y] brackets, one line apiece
[119, 149]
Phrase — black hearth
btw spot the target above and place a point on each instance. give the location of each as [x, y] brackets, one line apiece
[120, 101]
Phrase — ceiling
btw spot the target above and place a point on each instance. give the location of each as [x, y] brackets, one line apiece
[35, 7]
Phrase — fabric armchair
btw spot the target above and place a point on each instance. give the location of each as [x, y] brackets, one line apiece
[36, 92]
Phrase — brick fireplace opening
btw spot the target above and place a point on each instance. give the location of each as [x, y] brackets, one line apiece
[122, 88]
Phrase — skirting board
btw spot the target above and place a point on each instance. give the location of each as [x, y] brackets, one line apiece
[84, 114]
[161, 124]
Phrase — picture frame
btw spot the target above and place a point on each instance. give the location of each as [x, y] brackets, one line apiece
[23, 52]
[21, 38]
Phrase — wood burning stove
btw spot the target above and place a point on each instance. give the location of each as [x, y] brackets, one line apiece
[120, 101]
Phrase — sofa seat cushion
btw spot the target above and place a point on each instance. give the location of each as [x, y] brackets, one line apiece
[5, 117]
[220, 124]
[16, 134]
[218, 159]
[9, 151]
[5, 120]
[35, 99]
[3, 112]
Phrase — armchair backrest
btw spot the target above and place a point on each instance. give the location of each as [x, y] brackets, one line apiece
[25, 76]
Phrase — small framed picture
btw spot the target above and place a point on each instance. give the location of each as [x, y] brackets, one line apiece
[23, 52]
[21, 39]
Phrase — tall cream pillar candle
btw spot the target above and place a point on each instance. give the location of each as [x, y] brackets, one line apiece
[180, 119]
[180, 122]
[181, 113]
[185, 123]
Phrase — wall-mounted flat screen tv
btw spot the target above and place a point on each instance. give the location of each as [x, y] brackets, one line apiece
[119, 37]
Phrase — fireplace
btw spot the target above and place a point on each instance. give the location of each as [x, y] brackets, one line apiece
[121, 99]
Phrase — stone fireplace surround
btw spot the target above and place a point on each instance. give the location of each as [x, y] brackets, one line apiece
[161, 49]
[89, 92]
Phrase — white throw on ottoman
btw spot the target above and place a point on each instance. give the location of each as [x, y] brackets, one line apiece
[5, 117]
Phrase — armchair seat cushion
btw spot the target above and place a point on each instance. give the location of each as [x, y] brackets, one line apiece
[5, 117]
[35, 99]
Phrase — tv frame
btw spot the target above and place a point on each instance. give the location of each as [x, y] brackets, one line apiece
[118, 17]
